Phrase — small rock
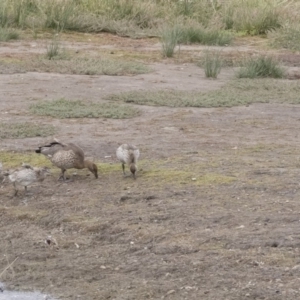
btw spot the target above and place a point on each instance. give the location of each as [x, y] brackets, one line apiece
[123, 198]
[297, 267]
[170, 292]
[274, 244]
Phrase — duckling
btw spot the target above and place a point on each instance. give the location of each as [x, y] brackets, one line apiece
[128, 154]
[67, 156]
[26, 176]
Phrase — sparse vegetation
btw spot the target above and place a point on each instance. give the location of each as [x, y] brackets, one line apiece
[64, 63]
[169, 39]
[252, 16]
[12, 159]
[287, 37]
[261, 66]
[212, 64]
[193, 33]
[146, 17]
[237, 92]
[53, 49]
[214, 211]
[164, 176]
[7, 34]
[197, 34]
[63, 109]
[24, 130]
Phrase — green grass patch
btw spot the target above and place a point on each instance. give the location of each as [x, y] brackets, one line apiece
[212, 64]
[191, 33]
[11, 159]
[53, 49]
[87, 66]
[164, 176]
[25, 130]
[63, 109]
[253, 17]
[287, 37]
[63, 63]
[162, 173]
[170, 37]
[237, 92]
[261, 66]
[197, 34]
[138, 18]
[7, 34]
[107, 168]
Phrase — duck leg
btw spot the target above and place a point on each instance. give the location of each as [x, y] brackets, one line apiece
[123, 167]
[62, 175]
[16, 191]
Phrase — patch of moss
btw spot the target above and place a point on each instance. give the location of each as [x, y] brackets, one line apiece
[15, 159]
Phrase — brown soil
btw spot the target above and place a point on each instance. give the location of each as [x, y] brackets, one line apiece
[219, 220]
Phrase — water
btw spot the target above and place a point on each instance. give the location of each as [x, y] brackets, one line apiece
[11, 295]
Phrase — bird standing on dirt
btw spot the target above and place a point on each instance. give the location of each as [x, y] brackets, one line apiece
[67, 156]
[26, 175]
[128, 154]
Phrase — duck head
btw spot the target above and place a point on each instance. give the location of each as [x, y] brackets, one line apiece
[92, 167]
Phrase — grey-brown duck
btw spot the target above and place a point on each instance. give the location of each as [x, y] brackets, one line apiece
[67, 156]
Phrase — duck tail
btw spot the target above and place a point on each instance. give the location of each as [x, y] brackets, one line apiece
[39, 150]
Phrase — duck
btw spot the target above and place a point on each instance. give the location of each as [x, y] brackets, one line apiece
[67, 156]
[26, 175]
[128, 154]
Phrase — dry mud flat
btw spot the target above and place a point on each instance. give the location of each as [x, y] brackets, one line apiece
[213, 214]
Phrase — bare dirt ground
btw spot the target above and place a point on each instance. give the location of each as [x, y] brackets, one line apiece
[214, 212]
